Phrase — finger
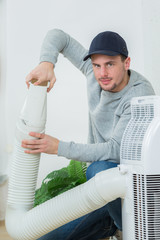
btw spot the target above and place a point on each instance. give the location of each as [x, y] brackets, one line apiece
[49, 88]
[38, 82]
[33, 151]
[28, 79]
[30, 76]
[31, 143]
[27, 84]
[52, 82]
[37, 135]
[31, 146]
[36, 141]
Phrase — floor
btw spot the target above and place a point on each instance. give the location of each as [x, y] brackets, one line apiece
[3, 233]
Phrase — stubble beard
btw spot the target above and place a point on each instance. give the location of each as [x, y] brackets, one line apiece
[110, 89]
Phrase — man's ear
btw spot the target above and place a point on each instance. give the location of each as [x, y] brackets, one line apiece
[127, 63]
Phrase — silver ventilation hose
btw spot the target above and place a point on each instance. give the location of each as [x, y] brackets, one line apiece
[23, 222]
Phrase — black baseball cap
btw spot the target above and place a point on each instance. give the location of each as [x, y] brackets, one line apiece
[107, 43]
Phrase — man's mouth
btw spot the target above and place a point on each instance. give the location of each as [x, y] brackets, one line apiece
[105, 80]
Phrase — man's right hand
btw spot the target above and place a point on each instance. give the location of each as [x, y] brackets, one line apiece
[42, 73]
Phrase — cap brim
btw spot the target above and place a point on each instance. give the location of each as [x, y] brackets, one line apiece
[109, 53]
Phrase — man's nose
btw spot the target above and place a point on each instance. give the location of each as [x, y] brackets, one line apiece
[104, 72]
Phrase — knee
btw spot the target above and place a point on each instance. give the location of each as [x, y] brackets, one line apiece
[98, 166]
[91, 170]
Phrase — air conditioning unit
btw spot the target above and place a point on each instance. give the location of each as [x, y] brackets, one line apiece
[140, 159]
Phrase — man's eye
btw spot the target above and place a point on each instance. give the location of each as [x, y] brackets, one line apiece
[109, 65]
[96, 65]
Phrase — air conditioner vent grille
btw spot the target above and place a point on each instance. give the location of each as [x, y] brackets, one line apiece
[146, 190]
[132, 140]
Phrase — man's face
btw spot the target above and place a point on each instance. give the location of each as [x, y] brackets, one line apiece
[110, 71]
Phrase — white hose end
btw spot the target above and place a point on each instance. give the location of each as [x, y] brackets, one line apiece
[113, 185]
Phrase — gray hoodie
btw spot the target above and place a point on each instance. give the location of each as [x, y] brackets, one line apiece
[109, 112]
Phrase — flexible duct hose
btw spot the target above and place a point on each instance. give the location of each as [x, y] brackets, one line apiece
[25, 223]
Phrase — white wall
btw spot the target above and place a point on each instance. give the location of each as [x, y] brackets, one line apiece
[27, 24]
[3, 141]
[151, 40]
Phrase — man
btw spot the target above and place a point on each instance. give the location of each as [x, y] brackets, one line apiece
[111, 86]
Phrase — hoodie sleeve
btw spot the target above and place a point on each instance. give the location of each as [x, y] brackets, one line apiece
[57, 41]
[109, 150]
